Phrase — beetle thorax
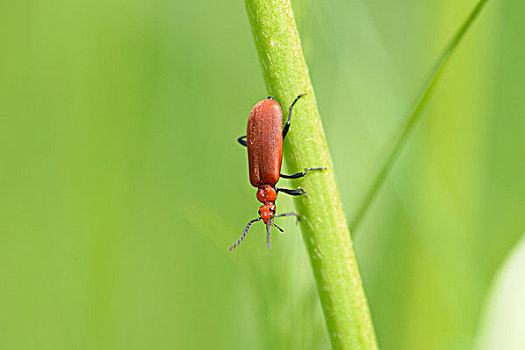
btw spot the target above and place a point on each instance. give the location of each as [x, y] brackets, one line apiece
[266, 194]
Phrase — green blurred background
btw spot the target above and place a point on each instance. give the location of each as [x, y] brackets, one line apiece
[122, 185]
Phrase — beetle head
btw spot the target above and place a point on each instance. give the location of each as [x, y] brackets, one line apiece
[267, 212]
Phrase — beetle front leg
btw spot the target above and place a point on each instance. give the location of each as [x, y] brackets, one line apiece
[298, 192]
[297, 216]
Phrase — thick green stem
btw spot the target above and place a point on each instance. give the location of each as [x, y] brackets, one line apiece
[323, 222]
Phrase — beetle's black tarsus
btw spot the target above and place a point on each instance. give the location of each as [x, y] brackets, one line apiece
[298, 192]
[243, 234]
[287, 125]
[299, 175]
[242, 140]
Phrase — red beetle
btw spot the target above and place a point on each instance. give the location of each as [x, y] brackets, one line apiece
[264, 140]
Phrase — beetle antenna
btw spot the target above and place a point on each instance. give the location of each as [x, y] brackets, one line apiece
[280, 229]
[268, 226]
[243, 234]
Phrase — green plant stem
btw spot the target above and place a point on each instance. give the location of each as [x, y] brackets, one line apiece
[323, 222]
[411, 121]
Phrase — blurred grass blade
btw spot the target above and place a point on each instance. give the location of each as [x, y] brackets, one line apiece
[323, 223]
[502, 321]
[405, 130]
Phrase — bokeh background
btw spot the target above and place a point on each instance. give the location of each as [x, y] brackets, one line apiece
[122, 185]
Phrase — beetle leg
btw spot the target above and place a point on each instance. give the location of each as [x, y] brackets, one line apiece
[287, 125]
[297, 217]
[298, 192]
[299, 175]
[242, 140]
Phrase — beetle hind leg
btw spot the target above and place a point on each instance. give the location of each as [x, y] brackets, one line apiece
[287, 125]
[242, 140]
[299, 175]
